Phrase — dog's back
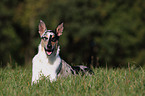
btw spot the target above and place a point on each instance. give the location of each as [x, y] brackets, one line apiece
[66, 70]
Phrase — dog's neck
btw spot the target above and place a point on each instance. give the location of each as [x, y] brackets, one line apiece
[50, 59]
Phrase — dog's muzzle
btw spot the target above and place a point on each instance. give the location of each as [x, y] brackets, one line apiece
[49, 51]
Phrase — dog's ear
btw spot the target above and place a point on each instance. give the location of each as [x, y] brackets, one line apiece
[42, 27]
[59, 29]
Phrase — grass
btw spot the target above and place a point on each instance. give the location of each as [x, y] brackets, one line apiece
[105, 82]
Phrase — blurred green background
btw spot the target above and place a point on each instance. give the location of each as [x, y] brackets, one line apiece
[96, 32]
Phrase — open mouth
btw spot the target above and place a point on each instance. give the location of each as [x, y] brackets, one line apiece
[48, 51]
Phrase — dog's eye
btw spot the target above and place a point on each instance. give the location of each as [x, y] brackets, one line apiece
[44, 38]
[53, 39]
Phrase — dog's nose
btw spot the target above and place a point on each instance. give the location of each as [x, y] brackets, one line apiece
[49, 46]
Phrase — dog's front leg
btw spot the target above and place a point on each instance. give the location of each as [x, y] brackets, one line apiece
[35, 76]
[53, 77]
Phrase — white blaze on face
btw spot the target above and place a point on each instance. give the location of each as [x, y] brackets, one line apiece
[47, 34]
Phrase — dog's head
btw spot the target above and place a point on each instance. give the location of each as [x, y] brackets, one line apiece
[49, 38]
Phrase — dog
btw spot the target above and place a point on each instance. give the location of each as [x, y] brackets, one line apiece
[47, 61]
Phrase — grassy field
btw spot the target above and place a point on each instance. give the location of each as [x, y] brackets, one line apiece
[105, 82]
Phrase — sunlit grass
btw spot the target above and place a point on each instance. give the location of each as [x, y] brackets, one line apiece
[108, 82]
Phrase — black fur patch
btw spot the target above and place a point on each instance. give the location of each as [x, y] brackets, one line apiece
[82, 69]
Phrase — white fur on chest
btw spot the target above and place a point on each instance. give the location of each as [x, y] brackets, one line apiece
[45, 66]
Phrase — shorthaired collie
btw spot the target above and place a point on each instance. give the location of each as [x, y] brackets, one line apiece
[47, 62]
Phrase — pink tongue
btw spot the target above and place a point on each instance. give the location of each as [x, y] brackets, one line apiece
[49, 53]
